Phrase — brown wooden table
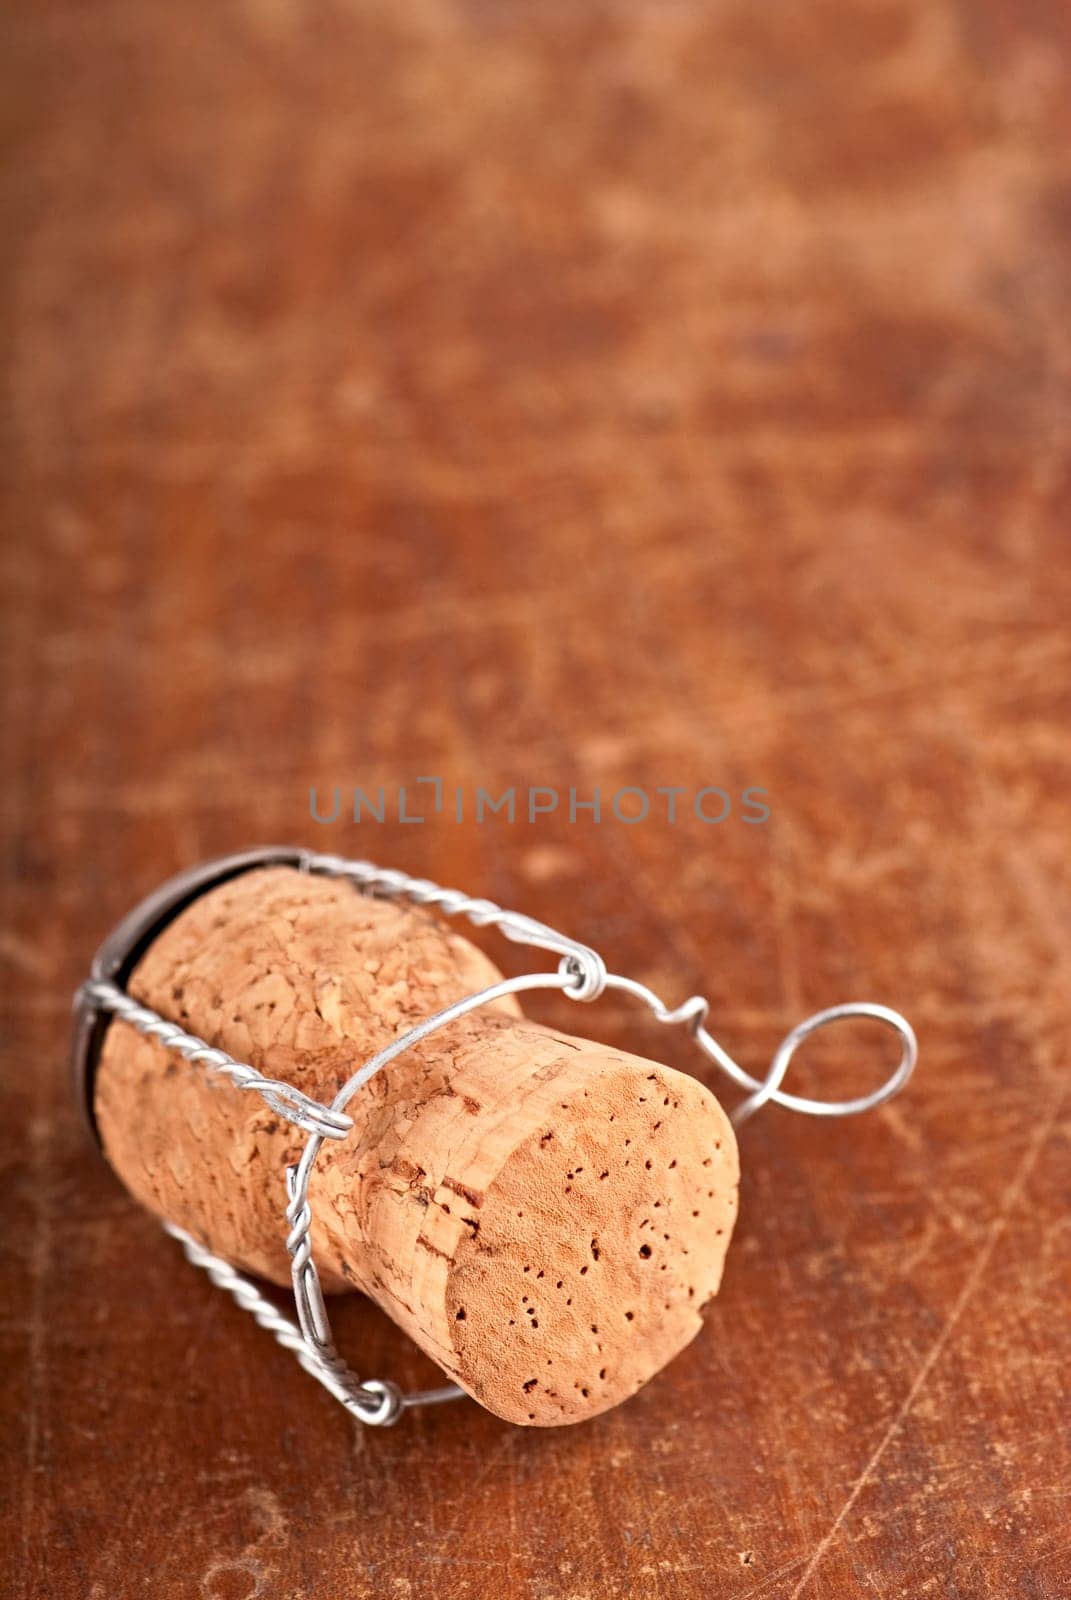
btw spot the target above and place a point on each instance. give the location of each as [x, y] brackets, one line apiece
[591, 395]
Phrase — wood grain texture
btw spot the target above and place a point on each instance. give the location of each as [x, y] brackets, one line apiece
[594, 395]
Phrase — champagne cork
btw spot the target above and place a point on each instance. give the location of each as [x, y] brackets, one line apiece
[546, 1217]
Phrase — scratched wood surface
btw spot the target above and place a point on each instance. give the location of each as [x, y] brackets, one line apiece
[595, 395]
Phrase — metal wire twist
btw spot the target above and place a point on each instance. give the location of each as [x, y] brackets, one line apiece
[584, 965]
[305, 1113]
[581, 975]
[376, 1402]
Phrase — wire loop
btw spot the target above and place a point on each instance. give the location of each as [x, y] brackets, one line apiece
[769, 1090]
[581, 975]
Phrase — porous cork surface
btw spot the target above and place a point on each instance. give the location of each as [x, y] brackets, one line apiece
[610, 1226]
[543, 1215]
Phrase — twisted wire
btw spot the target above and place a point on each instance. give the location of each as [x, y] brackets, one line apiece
[289, 1102]
[389, 883]
[579, 962]
[376, 1401]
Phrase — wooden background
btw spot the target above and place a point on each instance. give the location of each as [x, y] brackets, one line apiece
[588, 394]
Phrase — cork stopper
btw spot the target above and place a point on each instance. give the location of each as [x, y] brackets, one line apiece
[543, 1215]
